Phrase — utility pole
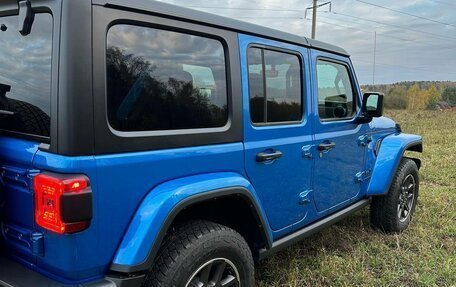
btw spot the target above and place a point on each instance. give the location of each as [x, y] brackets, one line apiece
[314, 18]
[314, 8]
[375, 55]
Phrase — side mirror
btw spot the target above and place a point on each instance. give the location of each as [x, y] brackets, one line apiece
[372, 107]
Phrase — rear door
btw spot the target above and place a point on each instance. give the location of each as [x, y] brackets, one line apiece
[277, 134]
[339, 166]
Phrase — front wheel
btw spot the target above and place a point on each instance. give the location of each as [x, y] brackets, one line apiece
[393, 212]
[203, 254]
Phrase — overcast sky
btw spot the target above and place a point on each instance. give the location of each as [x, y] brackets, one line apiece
[416, 39]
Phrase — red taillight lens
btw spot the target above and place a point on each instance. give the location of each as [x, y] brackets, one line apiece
[63, 204]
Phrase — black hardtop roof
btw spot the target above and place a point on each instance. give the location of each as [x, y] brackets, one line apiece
[173, 11]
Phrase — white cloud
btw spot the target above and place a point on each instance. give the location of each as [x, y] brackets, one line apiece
[402, 54]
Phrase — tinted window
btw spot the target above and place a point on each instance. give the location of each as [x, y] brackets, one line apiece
[164, 80]
[256, 86]
[335, 93]
[25, 76]
[275, 86]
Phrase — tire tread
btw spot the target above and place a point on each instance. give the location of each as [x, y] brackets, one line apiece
[178, 245]
[383, 210]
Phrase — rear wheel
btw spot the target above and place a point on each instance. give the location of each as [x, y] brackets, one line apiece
[200, 254]
[393, 212]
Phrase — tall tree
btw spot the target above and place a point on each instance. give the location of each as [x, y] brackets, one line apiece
[433, 96]
[396, 97]
[449, 95]
[415, 98]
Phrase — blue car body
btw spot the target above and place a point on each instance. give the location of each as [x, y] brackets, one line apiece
[137, 194]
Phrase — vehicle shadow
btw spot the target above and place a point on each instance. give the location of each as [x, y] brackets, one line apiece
[339, 240]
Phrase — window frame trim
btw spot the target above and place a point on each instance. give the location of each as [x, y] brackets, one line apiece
[107, 141]
[228, 83]
[354, 90]
[263, 47]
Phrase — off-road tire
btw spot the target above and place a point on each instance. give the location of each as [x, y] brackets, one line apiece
[384, 209]
[27, 119]
[191, 245]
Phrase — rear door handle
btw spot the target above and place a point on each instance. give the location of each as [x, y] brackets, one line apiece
[268, 156]
[326, 146]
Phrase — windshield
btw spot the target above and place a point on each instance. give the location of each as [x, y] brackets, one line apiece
[25, 76]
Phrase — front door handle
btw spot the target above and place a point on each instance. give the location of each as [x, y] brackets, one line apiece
[268, 155]
[326, 146]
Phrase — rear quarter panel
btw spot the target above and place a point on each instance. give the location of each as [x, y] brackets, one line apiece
[120, 182]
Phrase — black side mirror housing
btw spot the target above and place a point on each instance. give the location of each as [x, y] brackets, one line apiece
[373, 104]
[372, 107]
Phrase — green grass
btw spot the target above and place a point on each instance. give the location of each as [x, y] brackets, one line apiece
[351, 253]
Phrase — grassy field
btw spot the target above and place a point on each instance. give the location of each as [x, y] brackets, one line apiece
[351, 253]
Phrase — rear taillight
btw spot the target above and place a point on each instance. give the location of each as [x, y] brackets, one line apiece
[63, 203]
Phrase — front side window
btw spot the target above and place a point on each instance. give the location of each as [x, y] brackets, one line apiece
[275, 86]
[164, 80]
[335, 93]
[25, 76]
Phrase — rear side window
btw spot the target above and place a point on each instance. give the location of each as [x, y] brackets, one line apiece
[25, 76]
[275, 86]
[335, 93]
[164, 80]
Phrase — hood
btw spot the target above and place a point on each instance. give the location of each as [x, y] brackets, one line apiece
[383, 123]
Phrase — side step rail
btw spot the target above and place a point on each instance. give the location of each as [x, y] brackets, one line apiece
[311, 229]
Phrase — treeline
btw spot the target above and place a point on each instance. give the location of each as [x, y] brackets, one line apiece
[417, 95]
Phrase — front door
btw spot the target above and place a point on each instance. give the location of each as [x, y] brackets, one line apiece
[277, 133]
[339, 162]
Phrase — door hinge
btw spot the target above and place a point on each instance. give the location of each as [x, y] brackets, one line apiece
[15, 175]
[33, 241]
[304, 197]
[364, 140]
[362, 176]
[37, 239]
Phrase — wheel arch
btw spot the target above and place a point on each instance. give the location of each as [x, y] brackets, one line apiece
[391, 151]
[242, 192]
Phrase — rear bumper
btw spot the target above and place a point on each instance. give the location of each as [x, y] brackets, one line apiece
[13, 274]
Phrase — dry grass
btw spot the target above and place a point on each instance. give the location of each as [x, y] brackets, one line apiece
[351, 253]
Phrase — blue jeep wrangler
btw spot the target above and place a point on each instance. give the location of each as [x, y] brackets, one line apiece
[144, 144]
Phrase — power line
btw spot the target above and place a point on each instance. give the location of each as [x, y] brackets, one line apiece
[440, 49]
[393, 25]
[443, 2]
[406, 13]
[405, 67]
[382, 34]
[246, 8]
[342, 26]
[350, 28]
[266, 17]
[333, 12]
